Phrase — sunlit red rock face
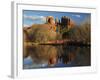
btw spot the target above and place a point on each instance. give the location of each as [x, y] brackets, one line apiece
[71, 24]
[48, 18]
[51, 21]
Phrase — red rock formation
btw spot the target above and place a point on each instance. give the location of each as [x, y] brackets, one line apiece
[71, 24]
[50, 20]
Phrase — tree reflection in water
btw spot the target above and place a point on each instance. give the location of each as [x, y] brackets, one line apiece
[46, 56]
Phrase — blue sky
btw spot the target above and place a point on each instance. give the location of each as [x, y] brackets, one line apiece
[39, 17]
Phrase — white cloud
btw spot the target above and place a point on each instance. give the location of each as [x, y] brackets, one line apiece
[26, 25]
[41, 18]
[77, 15]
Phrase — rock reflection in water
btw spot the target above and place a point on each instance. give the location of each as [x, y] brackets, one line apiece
[44, 56]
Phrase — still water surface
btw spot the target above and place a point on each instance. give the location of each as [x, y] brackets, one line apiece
[50, 56]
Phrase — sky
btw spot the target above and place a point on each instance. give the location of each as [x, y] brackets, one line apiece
[39, 17]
